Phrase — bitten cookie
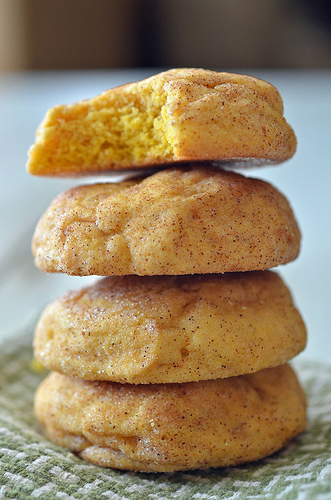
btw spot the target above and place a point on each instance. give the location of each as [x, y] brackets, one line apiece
[162, 329]
[176, 116]
[177, 221]
[170, 427]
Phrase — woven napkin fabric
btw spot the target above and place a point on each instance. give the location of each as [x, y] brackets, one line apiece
[32, 467]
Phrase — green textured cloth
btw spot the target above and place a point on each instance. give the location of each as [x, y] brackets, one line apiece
[32, 467]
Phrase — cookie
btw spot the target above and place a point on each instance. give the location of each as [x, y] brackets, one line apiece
[161, 329]
[179, 115]
[171, 427]
[192, 220]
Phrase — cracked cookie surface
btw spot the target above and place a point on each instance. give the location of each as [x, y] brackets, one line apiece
[162, 329]
[175, 116]
[169, 427]
[189, 220]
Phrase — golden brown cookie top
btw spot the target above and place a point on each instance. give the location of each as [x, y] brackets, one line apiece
[169, 427]
[161, 329]
[178, 221]
[179, 115]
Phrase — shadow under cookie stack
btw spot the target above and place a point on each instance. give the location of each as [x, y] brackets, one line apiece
[177, 358]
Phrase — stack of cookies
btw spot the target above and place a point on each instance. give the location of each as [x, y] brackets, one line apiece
[178, 357]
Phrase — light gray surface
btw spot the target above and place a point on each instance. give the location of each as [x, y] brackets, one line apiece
[305, 180]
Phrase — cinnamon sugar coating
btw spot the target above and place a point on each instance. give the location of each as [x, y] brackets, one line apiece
[179, 115]
[191, 220]
[170, 427]
[162, 329]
